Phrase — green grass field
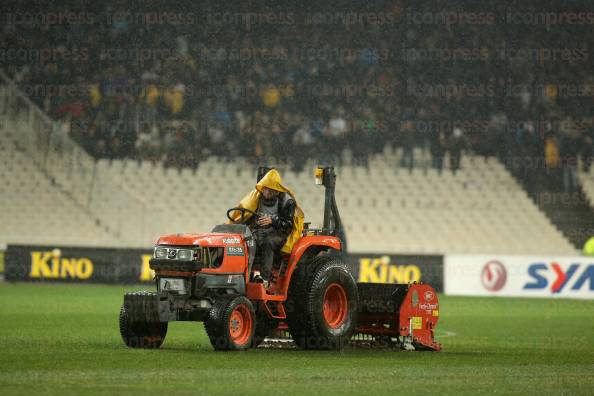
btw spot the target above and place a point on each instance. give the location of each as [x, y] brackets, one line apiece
[63, 339]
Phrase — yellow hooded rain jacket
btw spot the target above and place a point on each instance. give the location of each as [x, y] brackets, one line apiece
[272, 180]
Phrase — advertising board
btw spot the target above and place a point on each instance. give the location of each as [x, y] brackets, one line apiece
[519, 276]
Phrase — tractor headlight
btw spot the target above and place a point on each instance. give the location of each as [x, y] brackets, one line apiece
[185, 254]
[160, 253]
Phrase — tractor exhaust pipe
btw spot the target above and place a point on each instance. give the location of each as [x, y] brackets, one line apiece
[332, 222]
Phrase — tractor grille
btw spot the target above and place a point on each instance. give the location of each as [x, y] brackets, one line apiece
[175, 265]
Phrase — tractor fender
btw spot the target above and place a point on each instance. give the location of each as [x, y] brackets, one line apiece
[308, 247]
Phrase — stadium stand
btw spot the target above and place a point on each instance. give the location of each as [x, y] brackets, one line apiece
[108, 148]
[478, 209]
[33, 210]
[326, 85]
[50, 194]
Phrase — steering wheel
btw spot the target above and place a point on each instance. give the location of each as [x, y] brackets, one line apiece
[243, 212]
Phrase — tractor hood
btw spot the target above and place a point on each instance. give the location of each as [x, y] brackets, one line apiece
[209, 239]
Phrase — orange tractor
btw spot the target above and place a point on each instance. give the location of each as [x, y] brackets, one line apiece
[313, 297]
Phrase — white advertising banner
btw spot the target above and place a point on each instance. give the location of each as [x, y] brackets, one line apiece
[519, 276]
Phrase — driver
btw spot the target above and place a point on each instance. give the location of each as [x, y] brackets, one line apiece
[279, 223]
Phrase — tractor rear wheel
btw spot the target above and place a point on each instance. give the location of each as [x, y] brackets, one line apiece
[231, 323]
[322, 304]
[141, 334]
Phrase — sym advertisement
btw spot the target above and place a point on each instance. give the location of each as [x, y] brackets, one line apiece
[519, 276]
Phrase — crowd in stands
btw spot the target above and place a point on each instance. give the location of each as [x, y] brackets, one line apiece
[310, 84]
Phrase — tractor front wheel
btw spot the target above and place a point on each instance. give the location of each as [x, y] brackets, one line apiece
[231, 323]
[141, 334]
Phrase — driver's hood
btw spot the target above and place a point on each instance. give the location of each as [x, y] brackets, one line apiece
[272, 180]
[208, 239]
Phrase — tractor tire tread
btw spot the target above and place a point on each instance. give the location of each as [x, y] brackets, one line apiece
[146, 335]
[303, 318]
[216, 325]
